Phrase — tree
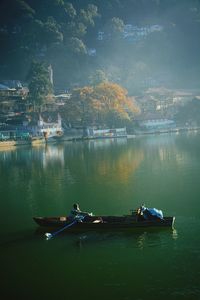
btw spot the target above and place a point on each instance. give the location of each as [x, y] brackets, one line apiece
[51, 32]
[87, 15]
[114, 27]
[98, 77]
[104, 104]
[118, 108]
[70, 10]
[40, 86]
[74, 29]
[77, 46]
[79, 108]
[15, 14]
[32, 29]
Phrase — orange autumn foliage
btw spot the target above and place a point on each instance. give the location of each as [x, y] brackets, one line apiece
[96, 104]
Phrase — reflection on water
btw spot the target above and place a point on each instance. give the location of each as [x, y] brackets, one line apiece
[89, 160]
[141, 241]
[139, 169]
[174, 234]
[7, 149]
[107, 178]
[138, 239]
[103, 143]
[53, 154]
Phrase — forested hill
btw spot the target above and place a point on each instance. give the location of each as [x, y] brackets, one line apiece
[129, 42]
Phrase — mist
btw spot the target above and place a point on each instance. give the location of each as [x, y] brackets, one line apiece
[156, 43]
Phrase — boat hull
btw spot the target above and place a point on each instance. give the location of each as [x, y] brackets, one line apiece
[11, 143]
[109, 223]
[35, 141]
[6, 144]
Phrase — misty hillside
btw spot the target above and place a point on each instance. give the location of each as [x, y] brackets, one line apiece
[133, 43]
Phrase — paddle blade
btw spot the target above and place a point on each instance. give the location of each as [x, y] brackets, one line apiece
[48, 235]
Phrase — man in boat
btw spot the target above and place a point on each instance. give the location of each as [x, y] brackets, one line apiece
[140, 213]
[144, 213]
[82, 216]
[76, 212]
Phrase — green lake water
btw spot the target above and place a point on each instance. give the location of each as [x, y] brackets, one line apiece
[107, 177]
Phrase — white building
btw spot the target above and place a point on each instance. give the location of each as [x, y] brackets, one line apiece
[158, 124]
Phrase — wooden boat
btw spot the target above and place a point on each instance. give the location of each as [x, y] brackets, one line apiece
[104, 223]
[7, 144]
[13, 143]
[35, 141]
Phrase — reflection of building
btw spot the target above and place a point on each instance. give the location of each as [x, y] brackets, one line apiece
[53, 154]
[104, 143]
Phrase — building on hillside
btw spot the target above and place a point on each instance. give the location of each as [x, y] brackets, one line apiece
[93, 133]
[24, 126]
[92, 52]
[10, 133]
[12, 96]
[61, 99]
[164, 103]
[12, 84]
[100, 35]
[183, 97]
[147, 104]
[157, 125]
[47, 129]
[133, 33]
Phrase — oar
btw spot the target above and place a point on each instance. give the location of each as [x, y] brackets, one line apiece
[50, 235]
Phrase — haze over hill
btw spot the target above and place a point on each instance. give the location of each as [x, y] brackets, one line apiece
[137, 44]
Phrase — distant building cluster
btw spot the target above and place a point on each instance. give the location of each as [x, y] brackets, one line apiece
[12, 96]
[155, 80]
[92, 52]
[157, 124]
[133, 33]
[12, 89]
[158, 106]
[163, 103]
[10, 84]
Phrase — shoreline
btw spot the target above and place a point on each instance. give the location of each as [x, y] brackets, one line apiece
[37, 142]
[163, 131]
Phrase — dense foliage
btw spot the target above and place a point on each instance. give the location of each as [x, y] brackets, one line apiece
[67, 35]
[40, 86]
[104, 104]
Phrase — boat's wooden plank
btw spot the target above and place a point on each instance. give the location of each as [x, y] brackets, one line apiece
[111, 222]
